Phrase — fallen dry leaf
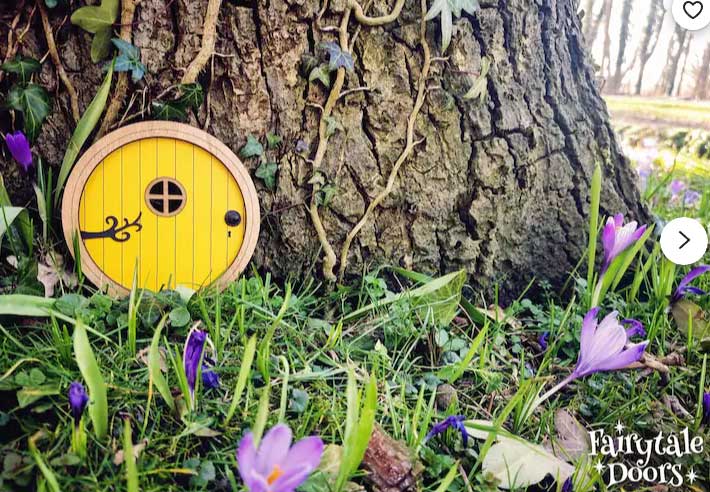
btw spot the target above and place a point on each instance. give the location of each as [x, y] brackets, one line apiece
[675, 406]
[142, 356]
[50, 271]
[391, 465]
[137, 450]
[572, 441]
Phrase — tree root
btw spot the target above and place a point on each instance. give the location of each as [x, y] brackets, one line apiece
[409, 147]
[119, 94]
[208, 40]
[52, 46]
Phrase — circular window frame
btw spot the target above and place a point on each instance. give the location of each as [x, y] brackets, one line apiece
[148, 196]
[88, 162]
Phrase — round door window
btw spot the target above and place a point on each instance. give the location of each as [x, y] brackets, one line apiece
[165, 196]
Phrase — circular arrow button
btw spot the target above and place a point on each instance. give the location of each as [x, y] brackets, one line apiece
[684, 241]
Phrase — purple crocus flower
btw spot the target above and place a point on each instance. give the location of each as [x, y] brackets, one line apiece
[617, 237]
[192, 357]
[603, 347]
[676, 187]
[635, 329]
[706, 408]
[452, 421]
[542, 340]
[567, 486]
[276, 466]
[684, 286]
[692, 198]
[209, 378]
[78, 399]
[19, 147]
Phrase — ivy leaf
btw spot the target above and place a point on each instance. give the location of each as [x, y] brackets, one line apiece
[325, 194]
[98, 20]
[51, 3]
[169, 110]
[192, 95]
[129, 59]
[321, 73]
[479, 89]
[333, 126]
[273, 140]
[33, 101]
[101, 44]
[22, 66]
[338, 57]
[447, 9]
[252, 148]
[267, 173]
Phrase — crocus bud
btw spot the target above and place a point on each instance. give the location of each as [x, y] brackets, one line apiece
[19, 147]
[78, 399]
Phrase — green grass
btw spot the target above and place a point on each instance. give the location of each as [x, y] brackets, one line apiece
[329, 363]
[672, 112]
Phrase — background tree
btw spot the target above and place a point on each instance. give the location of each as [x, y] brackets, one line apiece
[606, 53]
[649, 39]
[624, 33]
[702, 75]
[676, 47]
[498, 187]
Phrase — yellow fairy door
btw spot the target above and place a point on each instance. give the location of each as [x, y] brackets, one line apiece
[165, 202]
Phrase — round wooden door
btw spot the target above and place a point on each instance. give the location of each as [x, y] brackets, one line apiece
[162, 201]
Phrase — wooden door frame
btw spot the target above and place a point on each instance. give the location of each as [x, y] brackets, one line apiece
[157, 129]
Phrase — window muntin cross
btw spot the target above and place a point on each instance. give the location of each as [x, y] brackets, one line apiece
[165, 196]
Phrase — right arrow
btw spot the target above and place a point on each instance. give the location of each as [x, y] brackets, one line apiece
[687, 239]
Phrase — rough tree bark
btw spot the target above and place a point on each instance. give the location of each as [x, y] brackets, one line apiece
[500, 188]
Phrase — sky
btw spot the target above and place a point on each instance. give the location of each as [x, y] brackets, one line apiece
[699, 41]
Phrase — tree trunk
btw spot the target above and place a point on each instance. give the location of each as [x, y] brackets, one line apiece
[703, 73]
[675, 51]
[649, 40]
[606, 52]
[499, 188]
[685, 55]
[615, 81]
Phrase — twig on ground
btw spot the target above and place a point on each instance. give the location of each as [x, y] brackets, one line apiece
[209, 36]
[11, 48]
[54, 54]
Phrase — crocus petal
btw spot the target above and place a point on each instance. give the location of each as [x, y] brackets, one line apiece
[685, 281]
[246, 455]
[210, 379]
[706, 408]
[636, 328]
[273, 449]
[632, 354]
[19, 147]
[192, 356]
[78, 399]
[619, 220]
[256, 482]
[306, 452]
[290, 480]
[589, 326]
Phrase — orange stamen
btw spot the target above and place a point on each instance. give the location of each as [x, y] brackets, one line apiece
[275, 474]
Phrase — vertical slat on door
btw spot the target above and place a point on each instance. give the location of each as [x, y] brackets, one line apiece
[92, 197]
[166, 225]
[202, 199]
[149, 235]
[185, 240]
[220, 181]
[131, 198]
[235, 201]
[113, 207]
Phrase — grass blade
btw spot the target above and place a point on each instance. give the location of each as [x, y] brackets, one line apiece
[43, 467]
[594, 194]
[129, 459]
[98, 408]
[25, 305]
[262, 414]
[244, 371]
[83, 129]
[155, 374]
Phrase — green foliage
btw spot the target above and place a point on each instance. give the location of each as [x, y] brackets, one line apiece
[243, 378]
[129, 459]
[86, 125]
[98, 20]
[89, 367]
[7, 217]
[128, 60]
[479, 89]
[156, 374]
[22, 66]
[190, 98]
[337, 58]
[359, 423]
[252, 148]
[25, 305]
[267, 173]
[447, 9]
[33, 102]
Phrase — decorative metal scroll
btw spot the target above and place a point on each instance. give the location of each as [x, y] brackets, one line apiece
[118, 234]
